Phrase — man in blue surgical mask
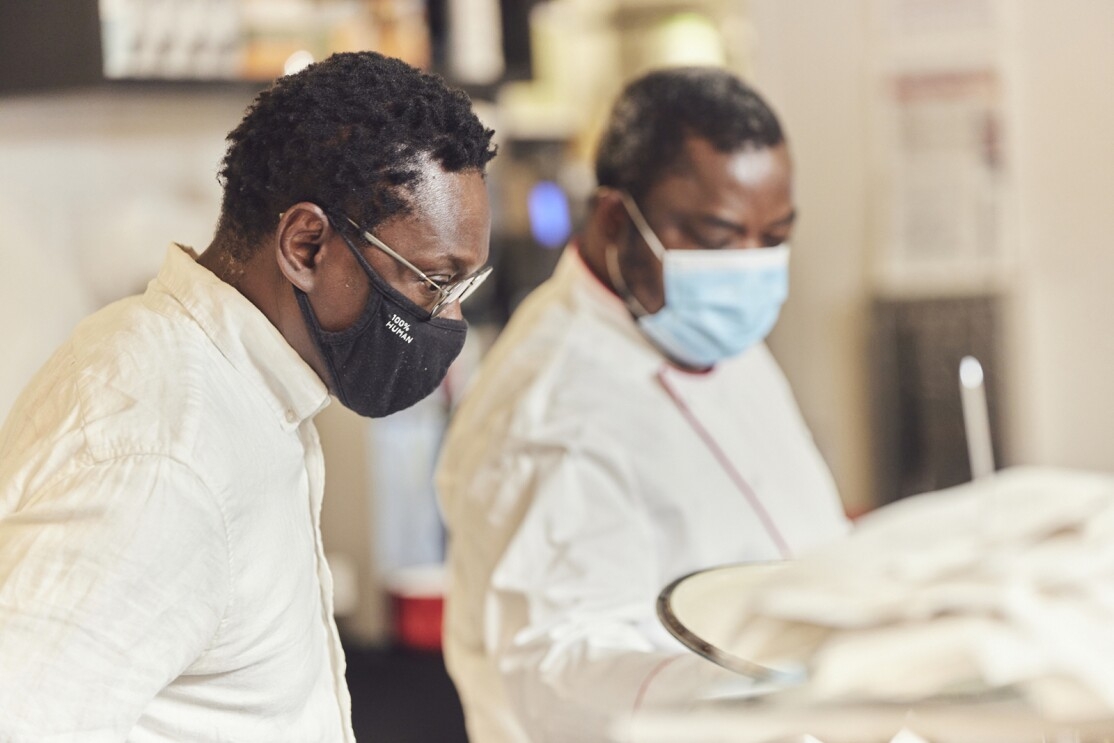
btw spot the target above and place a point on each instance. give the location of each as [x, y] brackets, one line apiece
[630, 426]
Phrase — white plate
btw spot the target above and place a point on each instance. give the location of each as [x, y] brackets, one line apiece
[703, 609]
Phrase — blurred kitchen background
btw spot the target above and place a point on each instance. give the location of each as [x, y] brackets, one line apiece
[953, 171]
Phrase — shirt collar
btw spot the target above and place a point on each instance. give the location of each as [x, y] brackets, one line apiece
[244, 336]
[593, 290]
[588, 291]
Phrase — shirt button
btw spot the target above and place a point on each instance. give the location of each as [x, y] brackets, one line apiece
[290, 416]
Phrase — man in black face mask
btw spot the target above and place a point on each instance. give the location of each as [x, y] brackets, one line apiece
[161, 569]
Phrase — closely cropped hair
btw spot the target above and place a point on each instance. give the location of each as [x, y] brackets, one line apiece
[349, 134]
[655, 113]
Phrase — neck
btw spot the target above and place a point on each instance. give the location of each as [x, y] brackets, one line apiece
[256, 277]
[219, 259]
[262, 283]
[594, 256]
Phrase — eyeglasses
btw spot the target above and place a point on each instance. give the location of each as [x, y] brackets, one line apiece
[458, 291]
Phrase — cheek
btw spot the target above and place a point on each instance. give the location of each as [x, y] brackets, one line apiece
[339, 305]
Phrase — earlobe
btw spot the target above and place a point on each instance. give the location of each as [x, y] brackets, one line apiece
[302, 231]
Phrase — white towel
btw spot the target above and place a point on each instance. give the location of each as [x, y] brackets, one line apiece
[1008, 581]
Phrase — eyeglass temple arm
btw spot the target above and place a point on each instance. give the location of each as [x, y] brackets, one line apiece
[394, 254]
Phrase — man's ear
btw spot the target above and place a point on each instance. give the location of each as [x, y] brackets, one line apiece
[610, 216]
[302, 231]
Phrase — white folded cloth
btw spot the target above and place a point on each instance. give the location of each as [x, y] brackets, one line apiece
[1003, 582]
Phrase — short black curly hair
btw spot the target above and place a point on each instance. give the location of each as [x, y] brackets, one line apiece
[349, 133]
[655, 113]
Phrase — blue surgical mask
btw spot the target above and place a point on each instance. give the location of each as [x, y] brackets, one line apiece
[718, 303]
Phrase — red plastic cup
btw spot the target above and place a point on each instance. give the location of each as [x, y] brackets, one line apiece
[417, 606]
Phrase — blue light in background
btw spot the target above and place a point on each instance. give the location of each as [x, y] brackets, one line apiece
[548, 207]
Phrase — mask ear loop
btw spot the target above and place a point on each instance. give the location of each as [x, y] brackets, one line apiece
[611, 257]
[643, 227]
[615, 273]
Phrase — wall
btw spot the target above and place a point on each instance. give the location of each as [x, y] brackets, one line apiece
[810, 63]
[1063, 111]
[92, 190]
[811, 60]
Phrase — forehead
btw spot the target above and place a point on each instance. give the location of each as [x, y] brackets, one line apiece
[750, 179]
[449, 220]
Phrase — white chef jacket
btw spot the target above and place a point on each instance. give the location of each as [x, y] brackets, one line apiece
[161, 568]
[581, 474]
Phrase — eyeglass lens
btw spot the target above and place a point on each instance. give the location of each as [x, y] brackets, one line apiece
[461, 291]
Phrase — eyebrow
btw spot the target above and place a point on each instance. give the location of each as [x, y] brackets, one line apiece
[446, 259]
[714, 221]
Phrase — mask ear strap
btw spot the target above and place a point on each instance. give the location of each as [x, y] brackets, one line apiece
[316, 333]
[615, 273]
[643, 226]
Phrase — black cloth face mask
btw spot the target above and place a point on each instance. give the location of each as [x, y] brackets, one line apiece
[393, 356]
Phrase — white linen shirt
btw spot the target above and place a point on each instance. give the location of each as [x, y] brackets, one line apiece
[162, 576]
[582, 474]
